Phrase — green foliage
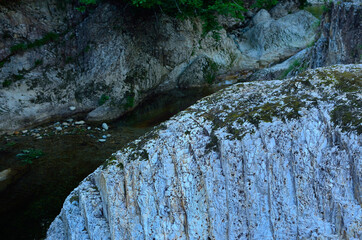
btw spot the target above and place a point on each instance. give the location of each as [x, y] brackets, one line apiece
[7, 83]
[129, 100]
[28, 155]
[316, 10]
[18, 48]
[205, 9]
[103, 99]
[293, 66]
[38, 62]
[266, 4]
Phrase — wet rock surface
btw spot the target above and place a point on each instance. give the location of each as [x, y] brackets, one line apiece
[262, 160]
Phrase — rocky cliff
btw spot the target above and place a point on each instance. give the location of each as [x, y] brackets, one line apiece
[338, 41]
[261, 160]
[53, 57]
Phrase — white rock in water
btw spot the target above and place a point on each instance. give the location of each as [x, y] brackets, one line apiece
[58, 128]
[105, 126]
[104, 136]
[72, 108]
[80, 122]
[257, 160]
[25, 131]
[102, 140]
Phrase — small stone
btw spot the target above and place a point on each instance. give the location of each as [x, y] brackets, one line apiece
[101, 140]
[72, 108]
[25, 131]
[89, 128]
[108, 135]
[65, 124]
[58, 128]
[105, 126]
[79, 122]
[70, 120]
[104, 136]
[39, 137]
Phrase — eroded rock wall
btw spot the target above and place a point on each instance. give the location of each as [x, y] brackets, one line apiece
[53, 57]
[261, 160]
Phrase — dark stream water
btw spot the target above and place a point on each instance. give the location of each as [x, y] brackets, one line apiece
[35, 194]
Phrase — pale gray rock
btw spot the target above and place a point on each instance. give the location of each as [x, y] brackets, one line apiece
[275, 40]
[259, 160]
[284, 7]
[262, 16]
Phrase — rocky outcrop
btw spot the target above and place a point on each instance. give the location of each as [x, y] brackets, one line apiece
[56, 58]
[340, 36]
[269, 41]
[261, 160]
[338, 42]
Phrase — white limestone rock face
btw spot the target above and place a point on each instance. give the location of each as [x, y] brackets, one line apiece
[261, 160]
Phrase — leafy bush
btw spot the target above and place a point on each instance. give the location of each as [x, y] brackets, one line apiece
[103, 99]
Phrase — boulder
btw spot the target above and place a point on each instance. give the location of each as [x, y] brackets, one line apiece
[259, 160]
[271, 41]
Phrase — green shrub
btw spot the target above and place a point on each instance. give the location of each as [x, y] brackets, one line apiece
[103, 99]
[38, 62]
[7, 83]
[49, 37]
[129, 100]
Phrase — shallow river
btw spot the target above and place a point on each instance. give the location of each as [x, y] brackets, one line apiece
[35, 188]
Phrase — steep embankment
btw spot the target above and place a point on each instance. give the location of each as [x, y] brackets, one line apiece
[53, 57]
[262, 160]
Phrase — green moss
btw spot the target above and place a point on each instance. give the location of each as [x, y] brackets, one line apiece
[111, 161]
[213, 143]
[316, 10]
[347, 81]
[348, 116]
[49, 37]
[120, 165]
[74, 198]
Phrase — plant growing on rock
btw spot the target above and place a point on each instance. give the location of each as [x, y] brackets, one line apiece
[103, 99]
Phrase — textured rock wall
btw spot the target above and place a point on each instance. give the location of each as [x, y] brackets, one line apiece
[114, 51]
[338, 41]
[340, 36]
[262, 160]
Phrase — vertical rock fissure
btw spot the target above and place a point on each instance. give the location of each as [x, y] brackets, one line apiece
[269, 171]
